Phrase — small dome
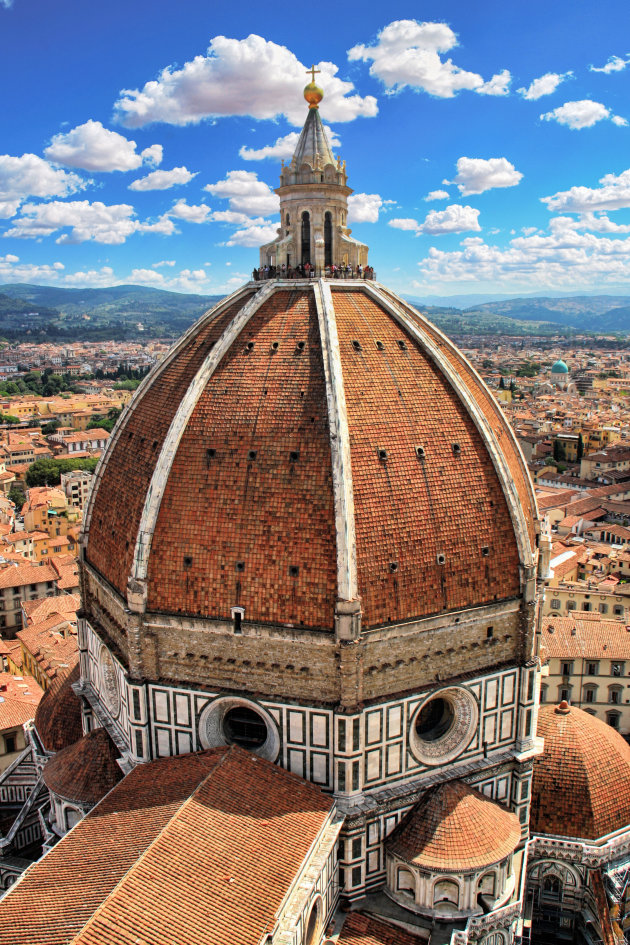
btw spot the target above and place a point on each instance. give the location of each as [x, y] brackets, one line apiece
[58, 715]
[559, 368]
[455, 828]
[86, 771]
[581, 785]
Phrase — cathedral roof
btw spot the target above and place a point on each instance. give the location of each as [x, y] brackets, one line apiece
[223, 821]
[362, 929]
[313, 147]
[454, 827]
[85, 771]
[58, 716]
[581, 785]
[311, 442]
[559, 368]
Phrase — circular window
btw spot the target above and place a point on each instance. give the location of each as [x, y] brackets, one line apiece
[434, 720]
[234, 721]
[244, 727]
[311, 934]
[443, 726]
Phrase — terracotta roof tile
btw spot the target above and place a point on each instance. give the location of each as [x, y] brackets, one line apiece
[585, 635]
[361, 929]
[86, 771]
[454, 827]
[58, 716]
[224, 821]
[581, 785]
[20, 697]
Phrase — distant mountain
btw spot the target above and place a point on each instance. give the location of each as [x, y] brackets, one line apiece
[596, 313]
[42, 313]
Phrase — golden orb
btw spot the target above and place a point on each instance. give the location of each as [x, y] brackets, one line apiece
[313, 95]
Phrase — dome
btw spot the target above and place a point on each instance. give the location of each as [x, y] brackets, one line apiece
[58, 715]
[455, 828]
[559, 368]
[581, 785]
[86, 771]
[305, 444]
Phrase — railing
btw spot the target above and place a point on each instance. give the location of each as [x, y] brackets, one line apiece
[301, 272]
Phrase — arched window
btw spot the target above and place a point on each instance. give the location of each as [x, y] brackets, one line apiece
[614, 694]
[590, 693]
[445, 890]
[613, 719]
[287, 220]
[552, 887]
[306, 237]
[406, 883]
[72, 817]
[328, 254]
[487, 884]
[311, 933]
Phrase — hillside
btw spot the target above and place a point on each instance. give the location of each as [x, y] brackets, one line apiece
[596, 313]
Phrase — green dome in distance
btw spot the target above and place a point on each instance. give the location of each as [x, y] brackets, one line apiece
[559, 368]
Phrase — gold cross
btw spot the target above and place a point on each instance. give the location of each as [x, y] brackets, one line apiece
[313, 70]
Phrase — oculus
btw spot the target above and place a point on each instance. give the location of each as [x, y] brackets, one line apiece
[234, 721]
[443, 726]
[109, 682]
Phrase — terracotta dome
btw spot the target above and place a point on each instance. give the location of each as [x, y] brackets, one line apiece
[86, 771]
[453, 828]
[58, 715]
[307, 444]
[581, 785]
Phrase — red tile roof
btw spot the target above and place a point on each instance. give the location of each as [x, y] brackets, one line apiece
[58, 716]
[64, 604]
[26, 574]
[587, 635]
[361, 929]
[453, 827]
[86, 771]
[20, 696]
[223, 821]
[581, 785]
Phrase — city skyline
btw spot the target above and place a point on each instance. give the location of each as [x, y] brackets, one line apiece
[487, 149]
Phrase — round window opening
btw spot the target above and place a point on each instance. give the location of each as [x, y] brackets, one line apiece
[434, 720]
[444, 726]
[242, 726]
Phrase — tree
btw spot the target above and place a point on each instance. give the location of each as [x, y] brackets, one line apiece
[47, 472]
[9, 418]
[105, 422]
[559, 453]
[580, 448]
[51, 427]
[17, 496]
[501, 384]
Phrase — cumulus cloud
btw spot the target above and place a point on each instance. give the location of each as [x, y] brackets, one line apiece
[163, 180]
[437, 195]
[190, 212]
[282, 148]
[92, 147]
[31, 176]
[614, 194]
[581, 114]
[253, 234]
[476, 175]
[544, 85]
[363, 208]
[95, 278]
[454, 219]
[614, 64]
[570, 256]
[246, 193]
[83, 221]
[13, 270]
[407, 53]
[251, 76]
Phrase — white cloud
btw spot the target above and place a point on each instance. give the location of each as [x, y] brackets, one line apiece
[163, 180]
[13, 270]
[246, 193]
[85, 221]
[190, 212]
[283, 148]
[476, 175]
[251, 76]
[92, 147]
[614, 64]
[363, 208]
[499, 84]
[407, 53]
[146, 277]
[581, 114]
[454, 219]
[94, 278]
[31, 176]
[618, 120]
[565, 259]
[163, 262]
[614, 194]
[235, 217]
[253, 235]
[544, 85]
[437, 195]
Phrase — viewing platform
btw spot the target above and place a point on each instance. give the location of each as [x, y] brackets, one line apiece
[357, 274]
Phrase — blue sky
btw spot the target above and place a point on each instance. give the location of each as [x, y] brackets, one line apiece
[488, 144]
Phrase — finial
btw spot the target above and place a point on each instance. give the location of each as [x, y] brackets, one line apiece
[312, 92]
